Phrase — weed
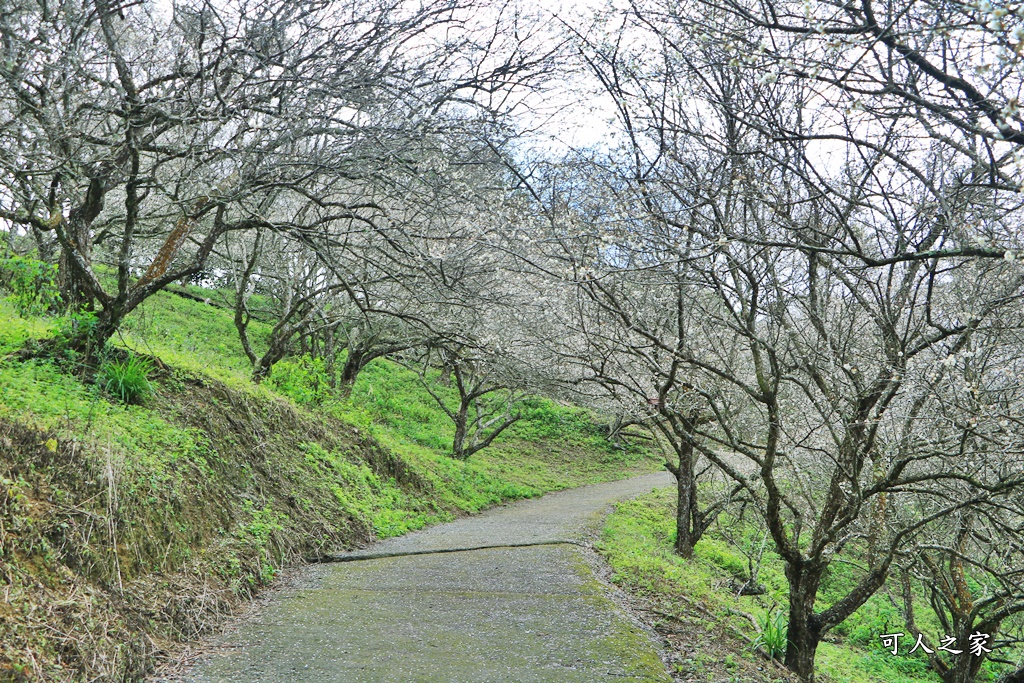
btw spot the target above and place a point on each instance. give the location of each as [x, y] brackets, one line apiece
[33, 284]
[127, 380]
[303, 379]
[772, 638]
[77, 328]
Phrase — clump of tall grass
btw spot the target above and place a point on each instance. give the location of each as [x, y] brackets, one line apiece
[772, 638]
[127, 380]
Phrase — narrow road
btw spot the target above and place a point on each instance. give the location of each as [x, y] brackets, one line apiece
[502, 614]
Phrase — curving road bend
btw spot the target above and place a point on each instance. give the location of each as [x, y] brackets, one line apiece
[523, 607]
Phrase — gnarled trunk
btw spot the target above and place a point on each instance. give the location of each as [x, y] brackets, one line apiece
[687, 533]
[278, 350]
[75, 235]
[354, 363]
[963, 668]
[804, 632]
[678, 429]
[461, 431]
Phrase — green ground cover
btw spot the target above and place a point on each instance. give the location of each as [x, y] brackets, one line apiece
[126, 530]
[638, 542]
[553, 446]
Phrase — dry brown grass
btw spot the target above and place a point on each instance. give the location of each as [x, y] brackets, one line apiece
[97, 586]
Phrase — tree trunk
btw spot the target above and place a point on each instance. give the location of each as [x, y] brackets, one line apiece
[74, 288]
[108, 320]
[801, 648]
[459, 442]
[46, 246]
[965, 667]
[89, 341]
[261, 371]
[686, 534]
[278, 350]
[678, 431]
[803, 633]
[332, 377]
[353, 364]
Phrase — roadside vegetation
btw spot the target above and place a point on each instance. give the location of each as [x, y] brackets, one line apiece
[289, 275]
[142, 500]
[718, 632]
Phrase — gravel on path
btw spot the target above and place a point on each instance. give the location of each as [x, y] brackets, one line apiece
[501, 614]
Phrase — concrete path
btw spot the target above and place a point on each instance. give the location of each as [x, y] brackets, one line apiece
[532, 614]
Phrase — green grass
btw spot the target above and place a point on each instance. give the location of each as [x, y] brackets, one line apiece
[191, 336]
[552, 447]
[127, 380]
[15, 330]
[147, 522]
[638, 542]
[37, 393]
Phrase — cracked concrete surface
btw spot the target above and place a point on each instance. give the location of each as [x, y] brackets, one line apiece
[530, 614]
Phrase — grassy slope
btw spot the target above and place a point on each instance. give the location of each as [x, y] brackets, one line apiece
[126, 530]
[553, 447]
[699, 602]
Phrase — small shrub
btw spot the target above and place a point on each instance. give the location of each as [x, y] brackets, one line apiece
[303, 379]
[773, 634]
[33, 284]
[77, 328]
[128, 380]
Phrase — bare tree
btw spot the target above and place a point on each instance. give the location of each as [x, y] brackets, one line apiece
[243, 116]
[971, 565]
[830, 285]
[944, 69]
[299, 286]
[486, 395]
[632, 326]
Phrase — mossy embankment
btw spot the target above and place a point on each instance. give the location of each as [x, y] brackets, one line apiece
[126, 530]
[712, 628]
